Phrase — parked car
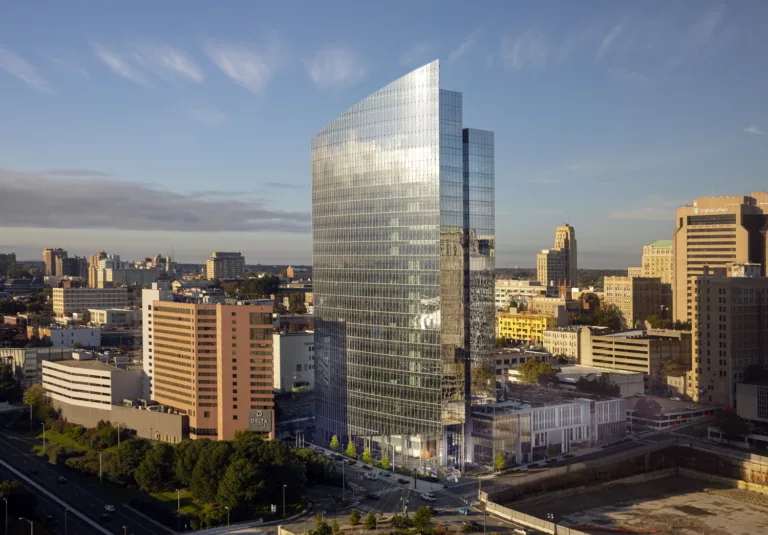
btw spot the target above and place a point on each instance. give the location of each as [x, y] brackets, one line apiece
[372, 496]
[464, 511]
[568, 456]
[319, 450]
[365, 467]
[109, 508]
[371, 476]
[384, 473]
[351, 462]
[402, 481]
[428, 496]
[434, 511]
[62, 479]
[338, 458]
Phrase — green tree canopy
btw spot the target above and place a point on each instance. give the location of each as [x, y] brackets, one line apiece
[335, 443]
[536, 372]
[240, 486]
[354, 517]
[370, 521]
[35, 396]
[600, 385]
[610, 316]
[422, 518]
[186, 455]
[210, 468]
[385, 461]
[500, 461]
[156, 470]
[321, 526]
[366, 458]
[124, 461]
[351, 449]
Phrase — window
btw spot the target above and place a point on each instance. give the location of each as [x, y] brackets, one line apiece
[298, 367]
[206, 414]
[259, 318]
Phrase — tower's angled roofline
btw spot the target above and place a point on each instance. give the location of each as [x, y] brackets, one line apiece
[434, 63]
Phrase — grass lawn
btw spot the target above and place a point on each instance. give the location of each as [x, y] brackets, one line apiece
[189, 505]
[61, 439]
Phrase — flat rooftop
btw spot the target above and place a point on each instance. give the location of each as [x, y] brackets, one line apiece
[580, 371]
[669, 406]
[89, 365]
[521, 396]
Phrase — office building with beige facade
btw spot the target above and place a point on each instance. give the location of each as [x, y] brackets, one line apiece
[50, 256]
[730, 333]
[638, 298]
[213, 363]
[225, 266]
[564, 341]
[636, 351]
[565, 241]
[658, 261]
[508, 290]
[551, 267]
[714, 232]
[67, 301]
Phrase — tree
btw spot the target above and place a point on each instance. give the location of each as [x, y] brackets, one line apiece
[122, 463]
[240, 486]
[591, 300]
[335, 527]
[535, 372]
[366, 458]
[385, 461]
[351, 450]
[370, 521]
[335, 443]
[85, 316]
[354, 517]
[10, 385]
[682, 325]
[610, 316]
[35, 397]
[500, 461]
[321, 526]
[654, 321]
[122, 350]
[601, 385]
[156, 470]
[209, 470]
[186, 455]
[422, 518]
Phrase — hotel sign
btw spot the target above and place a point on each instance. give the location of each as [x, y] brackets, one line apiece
[701, 211]
[260, 421]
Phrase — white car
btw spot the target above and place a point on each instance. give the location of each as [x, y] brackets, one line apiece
[371, 476]
[109, 508]
[428, 496]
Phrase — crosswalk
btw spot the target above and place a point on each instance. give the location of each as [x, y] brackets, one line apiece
[366, 508]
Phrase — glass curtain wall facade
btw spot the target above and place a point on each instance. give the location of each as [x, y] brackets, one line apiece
[391, 268]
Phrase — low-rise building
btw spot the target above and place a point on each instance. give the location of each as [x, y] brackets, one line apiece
[752, 401]
[91, 383]
[66, 301]
[508, 290]
[563, 341]
[294, 360]
[629, 383]
[523, 431]
[660, 414]
[638, 351]
[508, 361]
[29, 360]
[66, 336]
[127, 276]
[108, 317]
[524, 326]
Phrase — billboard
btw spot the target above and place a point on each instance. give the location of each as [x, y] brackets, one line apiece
[260, 420]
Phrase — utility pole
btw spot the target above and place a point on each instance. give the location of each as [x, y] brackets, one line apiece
[43, 442]
[178, 510]
[101, 478]
[284, 487]
[66, 510]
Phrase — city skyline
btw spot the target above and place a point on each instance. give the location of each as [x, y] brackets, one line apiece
[117, 130]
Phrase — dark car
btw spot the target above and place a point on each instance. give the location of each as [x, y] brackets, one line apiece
[351, 462]
[402, 481]
[62, 479]
[533, 465]
[471, 526]
[372, 496]
[318, 450]
[338, 458]
[105, 517]
[550, 461]
[434, 511]
[568, 456]
[366, 467]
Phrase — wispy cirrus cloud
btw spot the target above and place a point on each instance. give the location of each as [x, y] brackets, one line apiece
[166, 61]
[249, 67]
[416, 55]
[529, 49]
[336, 66]
[465, 46]
[129, 205]
[627, 76]
[754, 129]
[701, 35]
[119, 64]
[610, 38]
[23, 70]
[208, 116]
[653, 208]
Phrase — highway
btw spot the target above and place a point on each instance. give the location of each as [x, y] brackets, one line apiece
[80, 492]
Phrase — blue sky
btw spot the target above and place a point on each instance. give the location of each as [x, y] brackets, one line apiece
[140, 126]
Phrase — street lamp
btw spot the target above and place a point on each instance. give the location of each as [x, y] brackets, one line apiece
[178, 509]
[284, 487]
[66, 510]
[6, 516]
[551, 518]
[125, 530]
[43, 437]
[227, 508]
[31, 525]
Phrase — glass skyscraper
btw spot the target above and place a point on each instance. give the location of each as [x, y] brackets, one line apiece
[403, 259]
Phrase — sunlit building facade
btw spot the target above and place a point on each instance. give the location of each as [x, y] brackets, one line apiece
[403, 259]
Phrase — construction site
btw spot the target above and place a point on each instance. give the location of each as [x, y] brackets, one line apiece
[678, 486]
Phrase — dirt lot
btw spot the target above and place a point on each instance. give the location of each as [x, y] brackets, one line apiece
[673, 506]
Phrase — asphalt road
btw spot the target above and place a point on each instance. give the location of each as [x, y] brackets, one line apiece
[81, 492]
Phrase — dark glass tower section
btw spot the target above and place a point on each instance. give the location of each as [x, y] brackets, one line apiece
[403, 252]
